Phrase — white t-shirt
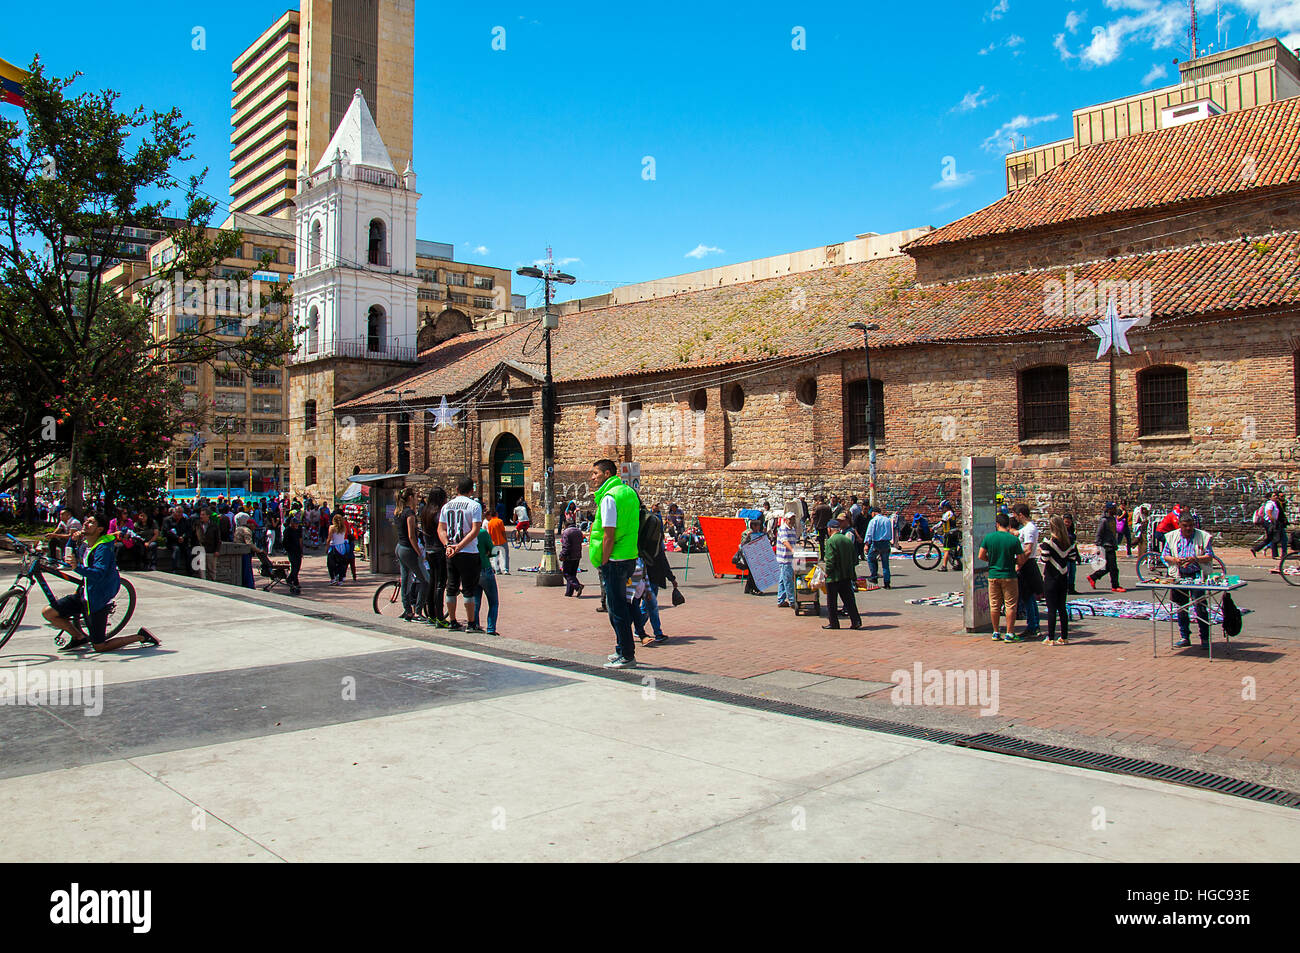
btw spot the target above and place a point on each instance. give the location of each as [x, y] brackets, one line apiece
[459, 516]
[608, 511]
[1029, 539]
[521, 513]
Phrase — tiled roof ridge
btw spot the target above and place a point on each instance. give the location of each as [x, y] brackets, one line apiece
[1096, 152]
[1150, 253]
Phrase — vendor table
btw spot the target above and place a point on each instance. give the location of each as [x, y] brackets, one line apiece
[1201, 592]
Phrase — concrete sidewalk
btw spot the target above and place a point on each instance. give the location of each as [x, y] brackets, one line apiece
[256, 733]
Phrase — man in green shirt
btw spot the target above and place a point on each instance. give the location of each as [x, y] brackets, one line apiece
[841, 575]
[1001, 549]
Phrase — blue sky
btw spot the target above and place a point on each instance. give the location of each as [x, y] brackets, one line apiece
[758, 148]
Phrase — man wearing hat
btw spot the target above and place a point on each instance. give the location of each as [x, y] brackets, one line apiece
[841, 574]
[786, 537]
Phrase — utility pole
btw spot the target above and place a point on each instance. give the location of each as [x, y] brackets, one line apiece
[549, 572]
[871, 415]
[1192, 31]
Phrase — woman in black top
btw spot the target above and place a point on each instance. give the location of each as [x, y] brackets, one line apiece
[1074, 539]
[1059, 555]
[436, 556]
[415, 577]
[293, 549]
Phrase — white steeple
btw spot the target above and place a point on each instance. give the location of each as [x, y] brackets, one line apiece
[357, 139]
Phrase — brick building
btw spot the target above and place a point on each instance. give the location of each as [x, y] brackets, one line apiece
[985, 347]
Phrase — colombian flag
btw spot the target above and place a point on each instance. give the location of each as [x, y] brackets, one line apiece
[11, 84]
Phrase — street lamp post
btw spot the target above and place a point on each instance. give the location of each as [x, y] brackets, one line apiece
[871, 416]
[548, 573]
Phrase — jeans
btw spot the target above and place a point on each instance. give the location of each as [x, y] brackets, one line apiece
[785, 584]
[570, 569]
[1180, 598]
[415, 578]
[487, 585]
[651, 602]
[337, 564]
[1074, 568]
[879, 551]
[1029, 605]
[614, 576]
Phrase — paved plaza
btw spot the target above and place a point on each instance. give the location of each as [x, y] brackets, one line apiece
[267, 728]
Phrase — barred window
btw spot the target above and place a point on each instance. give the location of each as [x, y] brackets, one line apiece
[266, 427]
[483, 281]
[855, 404]
[309, 471]
[1045, 403]
[1162, 401]
[309, 418]
[266, 403]
[189, 375]
[265, 378]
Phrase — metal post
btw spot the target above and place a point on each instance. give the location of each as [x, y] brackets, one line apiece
[871, 422]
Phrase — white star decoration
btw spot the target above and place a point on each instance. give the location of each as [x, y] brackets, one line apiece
[1113, 331]
[444, 416]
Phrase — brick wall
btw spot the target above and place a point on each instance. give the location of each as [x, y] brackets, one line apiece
[1111, 237]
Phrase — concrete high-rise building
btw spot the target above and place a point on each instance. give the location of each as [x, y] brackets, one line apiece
[264, 114]
[348, 45]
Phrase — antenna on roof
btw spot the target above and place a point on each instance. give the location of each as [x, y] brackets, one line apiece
[1192, 30]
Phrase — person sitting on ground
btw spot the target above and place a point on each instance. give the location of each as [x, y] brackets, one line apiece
[92, 601]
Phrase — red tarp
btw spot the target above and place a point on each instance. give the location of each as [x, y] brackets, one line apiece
[723, 533]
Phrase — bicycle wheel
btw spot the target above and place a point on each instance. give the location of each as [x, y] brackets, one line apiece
[1289, 567]
[388, 599]
[927, 556]
[1151, 566]
[13, 605]
[119, 616]
[954, 561]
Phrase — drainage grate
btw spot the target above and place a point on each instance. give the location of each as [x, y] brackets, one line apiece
[1119, 764]
[982, 741]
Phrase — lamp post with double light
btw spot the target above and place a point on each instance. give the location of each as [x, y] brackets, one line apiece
[548, 573]
[871, 416]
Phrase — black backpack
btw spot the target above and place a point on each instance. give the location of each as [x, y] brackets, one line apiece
[1231, 617]
[650, 535]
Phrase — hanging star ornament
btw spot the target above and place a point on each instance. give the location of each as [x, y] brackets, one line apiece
[1113, 331]
[445, 415]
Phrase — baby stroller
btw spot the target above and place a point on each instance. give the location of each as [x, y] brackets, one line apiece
[277, 572]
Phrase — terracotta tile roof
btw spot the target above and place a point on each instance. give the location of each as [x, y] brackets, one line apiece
[1244, 151]
[759, 321]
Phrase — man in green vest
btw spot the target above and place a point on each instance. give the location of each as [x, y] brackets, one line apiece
[613, 552]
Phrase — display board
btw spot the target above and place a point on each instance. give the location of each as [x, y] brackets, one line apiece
[763, 567]
[723, 534]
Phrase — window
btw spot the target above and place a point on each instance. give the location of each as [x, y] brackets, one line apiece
[265, 378]
[230, 326]
[806, 392]
[855, 403]
[260, 250]
[236, 455]
[266, 427]
[266, 403]
[733, 397]
[459, 298]
[189, 376]
[309, 471]
[187, 322]
[313, 330]
[1162, 401]
[375, 329]
[700, 401]
[261, 455]
[483, 282]
[456, 278]
[228, 377]
[228, 401]
[189, 401]
[378, 242]
[309, 415]
[482, 302]
[1045, 403]
[428, 274]
[313, 250]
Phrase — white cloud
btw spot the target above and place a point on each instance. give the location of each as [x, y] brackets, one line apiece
[1015, 40]
[999, 11]
[1010, 43]
[1003, 140]
[945, 206]
[957, 181]
[1156, 23]
[1073, 19]
[1157, 72]
[699, 251]
[972, 101]
[480, 249]
[1276, 17]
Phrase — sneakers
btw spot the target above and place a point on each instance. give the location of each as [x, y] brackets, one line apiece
[75, 646]
[659, 640]
[1119, 590]
[612, 657]
[997, 637]
[1013, 638]
[620, 662]
[473, 627]
[147, 637]
[1092, 582]
[1048, 640]
[1183, 643]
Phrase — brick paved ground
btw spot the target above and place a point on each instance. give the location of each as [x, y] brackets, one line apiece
[1107, 688]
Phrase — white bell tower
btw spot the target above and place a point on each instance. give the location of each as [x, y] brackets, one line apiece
[355, 282]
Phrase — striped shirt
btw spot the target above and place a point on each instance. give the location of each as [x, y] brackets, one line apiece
[1178, 546]
[1056, 559]
[784, 535]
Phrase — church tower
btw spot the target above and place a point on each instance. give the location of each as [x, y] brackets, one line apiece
[354, 291]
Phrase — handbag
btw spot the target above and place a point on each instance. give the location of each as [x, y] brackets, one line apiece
[678, 598]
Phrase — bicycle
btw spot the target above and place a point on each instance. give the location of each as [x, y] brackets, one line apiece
[929, 554]
[33, 568]
[521, 540]
[388, 599]
[1289, 567]
[1152, 567]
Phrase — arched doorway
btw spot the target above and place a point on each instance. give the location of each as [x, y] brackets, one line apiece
[507, 474]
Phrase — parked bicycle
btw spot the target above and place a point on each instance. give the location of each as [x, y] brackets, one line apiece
[1152, 567]
[388, 599]
[930, 554]
[34, 567]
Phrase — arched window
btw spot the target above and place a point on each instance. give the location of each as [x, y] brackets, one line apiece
[700, 401]
[855, 405]
[733, 398]
[309, 415]
[1162, 401]
[314, 249]
[309, 471]
[313, 330]
[378, 242]
[375, 328]
[1045, 403]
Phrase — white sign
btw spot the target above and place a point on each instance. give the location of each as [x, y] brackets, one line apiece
[630, 473]
[760, 558]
